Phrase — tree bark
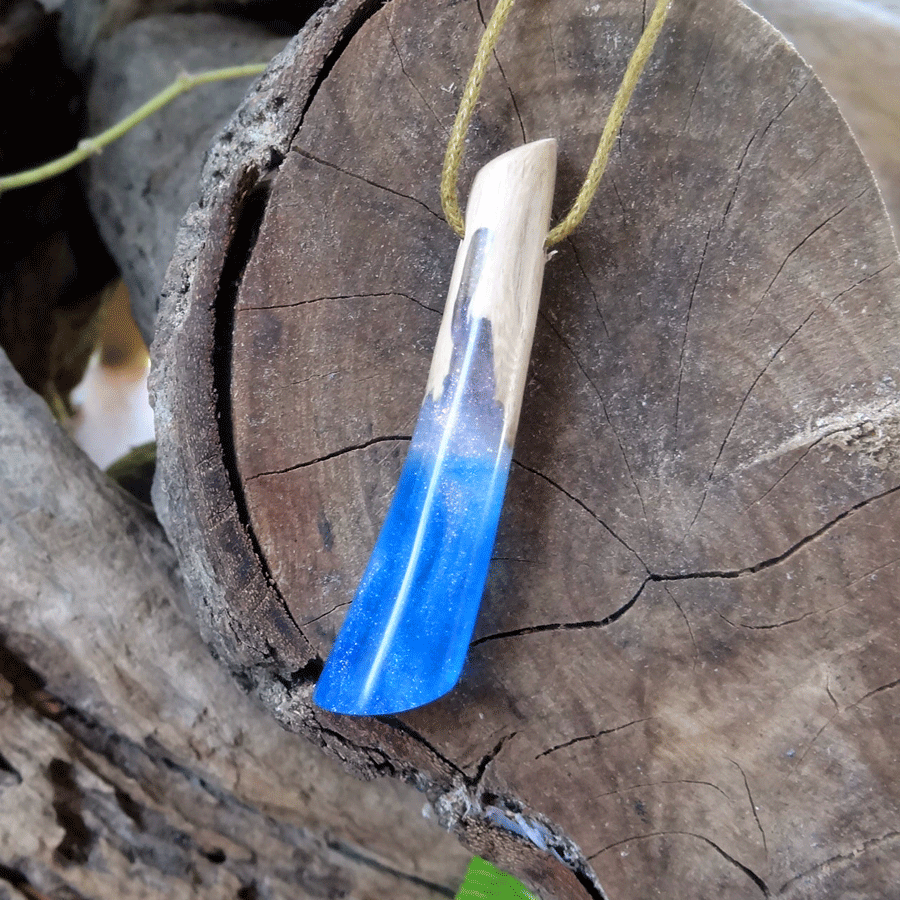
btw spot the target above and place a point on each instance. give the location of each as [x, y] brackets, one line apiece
[131, 765]
[681, 680]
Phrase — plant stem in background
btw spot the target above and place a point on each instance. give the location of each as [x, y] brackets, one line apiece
[89, 146]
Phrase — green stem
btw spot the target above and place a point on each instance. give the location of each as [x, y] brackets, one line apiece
[89, 146]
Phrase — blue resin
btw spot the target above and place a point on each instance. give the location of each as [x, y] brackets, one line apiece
[406, 634]
[402, 647]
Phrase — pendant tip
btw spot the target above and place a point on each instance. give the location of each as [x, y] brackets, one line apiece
[335, 695]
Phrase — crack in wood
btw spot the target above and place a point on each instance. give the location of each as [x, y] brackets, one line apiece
[752, 805]
[816, 736]
[408, 77]
[738, 178]
[687, 323]
[768, 627]
[382, 187]
[781, 557]
[784, 108]
[512, 96]
[552, 45]
[327, 376]
[591, 737]
[798, 247]
[793, 466]
[599, 396]
[377, 761]
[671, 596]
[885, 687]
[753, 876]
[675, 781]
[565, 626]
[333, 455]
[872, 572]
[571, 242]
[585, 507]
[861, 281]
[654, 577]
[401, 726]
[375, 294]
[519, 559]
[327, 612]
[625, 223]
[759, 375]
[474, 780]
[821, 305]
[810, 440]
[833, 865]
[709, 50]
[350, 30]
[839, 712]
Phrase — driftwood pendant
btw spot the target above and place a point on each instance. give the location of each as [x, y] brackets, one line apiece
[406, 634]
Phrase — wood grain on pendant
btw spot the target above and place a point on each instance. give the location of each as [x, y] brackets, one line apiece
[510, 200]
[682, 680]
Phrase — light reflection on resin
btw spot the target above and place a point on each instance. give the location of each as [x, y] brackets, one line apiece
[406, 634]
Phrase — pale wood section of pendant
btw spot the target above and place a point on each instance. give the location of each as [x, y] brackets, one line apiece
[511, 199]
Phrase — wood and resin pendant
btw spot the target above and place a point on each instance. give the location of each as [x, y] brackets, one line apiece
[405, 637]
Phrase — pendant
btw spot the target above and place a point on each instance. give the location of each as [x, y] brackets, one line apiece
[405, 637]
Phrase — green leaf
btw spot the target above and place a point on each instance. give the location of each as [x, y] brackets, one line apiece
[486, 882]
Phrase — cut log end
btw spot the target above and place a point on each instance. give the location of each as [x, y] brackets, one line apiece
[680, 681]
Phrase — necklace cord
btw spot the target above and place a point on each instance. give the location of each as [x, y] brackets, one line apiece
[469, 99]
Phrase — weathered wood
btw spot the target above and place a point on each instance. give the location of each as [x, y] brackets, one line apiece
[854, 47]
[131, 765]
[141, 186]
[681, 680]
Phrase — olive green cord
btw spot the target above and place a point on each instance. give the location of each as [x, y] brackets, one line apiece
[456, 143]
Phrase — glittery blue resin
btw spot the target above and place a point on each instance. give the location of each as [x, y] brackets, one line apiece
[406, 634]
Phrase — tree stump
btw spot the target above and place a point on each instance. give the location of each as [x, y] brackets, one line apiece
[681, 682]
[852, 46]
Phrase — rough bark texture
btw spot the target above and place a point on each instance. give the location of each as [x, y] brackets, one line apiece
[131, 765]
[681, 681]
